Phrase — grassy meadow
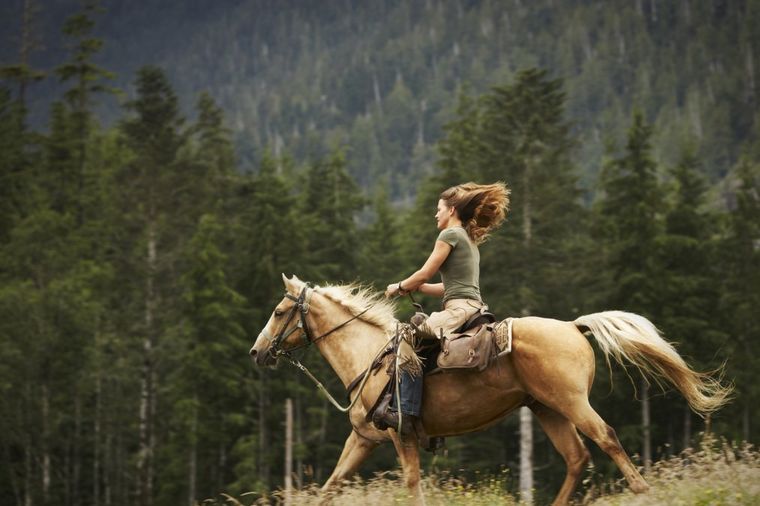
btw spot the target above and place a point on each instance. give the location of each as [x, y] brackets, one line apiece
[716, 474]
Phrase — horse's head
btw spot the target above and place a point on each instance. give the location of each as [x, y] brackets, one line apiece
[286, 327]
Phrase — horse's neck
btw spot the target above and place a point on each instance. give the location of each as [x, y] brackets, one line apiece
[350, 349]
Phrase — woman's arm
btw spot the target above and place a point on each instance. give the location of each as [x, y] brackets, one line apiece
[435, 260]
[434, 289]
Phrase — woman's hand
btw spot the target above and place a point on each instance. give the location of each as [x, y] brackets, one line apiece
[393, 289]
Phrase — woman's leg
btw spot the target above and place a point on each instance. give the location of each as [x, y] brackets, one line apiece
[455, 314]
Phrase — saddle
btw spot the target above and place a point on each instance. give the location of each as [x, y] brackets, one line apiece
[476, 344]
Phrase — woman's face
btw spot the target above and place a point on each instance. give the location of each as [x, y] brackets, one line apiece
[443, 215]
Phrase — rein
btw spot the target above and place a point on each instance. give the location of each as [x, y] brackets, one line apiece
[302, 305]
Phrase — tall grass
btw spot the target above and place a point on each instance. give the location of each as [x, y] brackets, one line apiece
[718, 473]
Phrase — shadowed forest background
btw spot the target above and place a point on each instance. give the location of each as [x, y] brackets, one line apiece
[161, 163]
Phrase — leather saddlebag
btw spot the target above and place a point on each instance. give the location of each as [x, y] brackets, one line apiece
[468, 350]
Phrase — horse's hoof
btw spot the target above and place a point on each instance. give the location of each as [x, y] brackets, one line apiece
[639, 487]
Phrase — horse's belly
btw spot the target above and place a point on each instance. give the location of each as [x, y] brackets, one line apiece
[456, 402]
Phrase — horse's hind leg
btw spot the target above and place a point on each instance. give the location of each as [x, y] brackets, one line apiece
[591, 424]
[355, 451]
[568, 443]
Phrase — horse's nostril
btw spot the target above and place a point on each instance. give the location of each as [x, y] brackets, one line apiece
[252, 352]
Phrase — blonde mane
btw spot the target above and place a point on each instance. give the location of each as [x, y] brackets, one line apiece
[355, 298]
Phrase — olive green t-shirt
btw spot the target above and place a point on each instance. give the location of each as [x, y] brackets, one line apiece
[460, 271]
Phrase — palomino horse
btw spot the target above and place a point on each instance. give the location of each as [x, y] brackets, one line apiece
[550, 369]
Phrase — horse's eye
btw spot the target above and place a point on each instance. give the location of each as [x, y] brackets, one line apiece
[278, 313]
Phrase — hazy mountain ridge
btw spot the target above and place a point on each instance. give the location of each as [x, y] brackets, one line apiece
[381, 78]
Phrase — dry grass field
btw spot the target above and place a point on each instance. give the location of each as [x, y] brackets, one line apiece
[717, 474]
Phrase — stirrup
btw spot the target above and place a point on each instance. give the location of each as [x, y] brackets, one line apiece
[381, 411]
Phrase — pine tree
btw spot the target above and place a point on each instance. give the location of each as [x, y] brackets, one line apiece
[269, 237]
[688, 290]
[516, 133]
[381, 245]
[740, 289]
[15, 180]
[87, 79]
[205, 381]
[331, 200]
[631, 205]
[22, 72]
[213, 153]
[630, 209]
[156, 202]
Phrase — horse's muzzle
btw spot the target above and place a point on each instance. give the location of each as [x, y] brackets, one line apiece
[262, 358]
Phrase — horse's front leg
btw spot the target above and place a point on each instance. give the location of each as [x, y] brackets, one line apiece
[355, 451]
[409, 453]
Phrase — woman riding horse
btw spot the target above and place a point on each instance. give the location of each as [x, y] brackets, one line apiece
[466, 214]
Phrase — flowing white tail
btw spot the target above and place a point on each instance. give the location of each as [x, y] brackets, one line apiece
[634, 338]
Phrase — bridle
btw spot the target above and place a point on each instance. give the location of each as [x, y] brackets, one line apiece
[301, 306]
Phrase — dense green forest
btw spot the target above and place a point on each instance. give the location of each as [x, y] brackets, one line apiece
[154, 183]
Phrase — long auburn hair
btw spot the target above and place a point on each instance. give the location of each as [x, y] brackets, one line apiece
[481, 207]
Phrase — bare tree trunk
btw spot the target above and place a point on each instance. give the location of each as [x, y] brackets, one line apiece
[96, 443]
[77, 453]
[526, 456]
[145, 457]
[646, 452]
[44, 446]
[107, 466]
[192, 471]
[28, 469]
[152, 433]
[288, 478]
[263, 456]
[526, 421]
[378, 97]
[321, 441]
[421, 127]
[299, 439]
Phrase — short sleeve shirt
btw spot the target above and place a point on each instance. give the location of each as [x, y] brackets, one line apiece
[460, 271]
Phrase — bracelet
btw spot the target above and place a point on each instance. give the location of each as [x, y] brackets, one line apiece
[400, 288]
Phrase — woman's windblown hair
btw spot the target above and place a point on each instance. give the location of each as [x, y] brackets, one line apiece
[481, 207]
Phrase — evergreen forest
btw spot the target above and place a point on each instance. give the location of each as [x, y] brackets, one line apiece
[162, 163]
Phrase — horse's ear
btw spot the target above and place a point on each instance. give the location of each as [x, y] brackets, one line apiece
[285, 279]
[295, 279]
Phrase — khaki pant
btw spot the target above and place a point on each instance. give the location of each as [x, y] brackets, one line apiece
[455, 313]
